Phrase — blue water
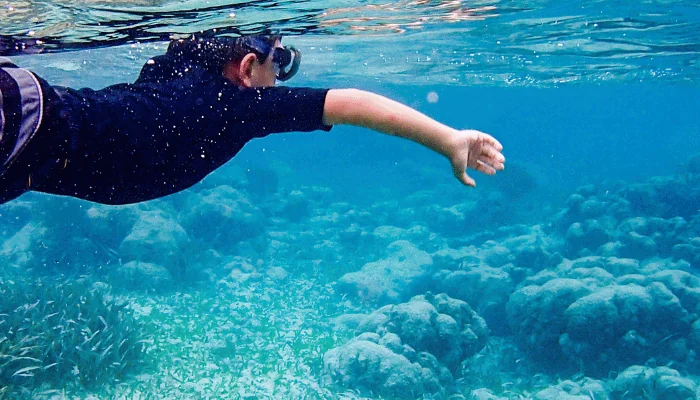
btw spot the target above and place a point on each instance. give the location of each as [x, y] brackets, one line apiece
[573, 274]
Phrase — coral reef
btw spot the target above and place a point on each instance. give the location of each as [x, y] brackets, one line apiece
[418, 345]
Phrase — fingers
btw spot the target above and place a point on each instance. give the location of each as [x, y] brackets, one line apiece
[491, 159]
[485, 168]
[490, 153]
[491, 163]
[490, 140]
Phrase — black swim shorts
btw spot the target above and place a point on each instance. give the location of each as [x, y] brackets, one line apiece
[21, 113]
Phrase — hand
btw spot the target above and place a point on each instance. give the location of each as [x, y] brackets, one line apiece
[476, 150]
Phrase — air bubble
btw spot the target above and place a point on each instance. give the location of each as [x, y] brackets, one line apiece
[432, 97]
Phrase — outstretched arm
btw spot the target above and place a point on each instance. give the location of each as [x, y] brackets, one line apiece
[464, 149]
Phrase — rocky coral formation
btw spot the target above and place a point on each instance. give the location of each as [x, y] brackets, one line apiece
[405, 272]
[434, 333]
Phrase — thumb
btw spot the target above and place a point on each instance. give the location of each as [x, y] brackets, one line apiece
[461, 174]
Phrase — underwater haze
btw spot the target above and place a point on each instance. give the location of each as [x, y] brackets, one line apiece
[353, 265]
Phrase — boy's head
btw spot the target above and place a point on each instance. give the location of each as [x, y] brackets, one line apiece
[250, 61]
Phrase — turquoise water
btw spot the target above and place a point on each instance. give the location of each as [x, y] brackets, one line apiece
[353, 265]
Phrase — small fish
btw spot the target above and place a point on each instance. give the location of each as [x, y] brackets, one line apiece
[49, 316]
[49, 366]
[669, 337]
[25, 370]
[104, 353]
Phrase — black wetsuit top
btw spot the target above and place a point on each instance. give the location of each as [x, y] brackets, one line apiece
[130, 143]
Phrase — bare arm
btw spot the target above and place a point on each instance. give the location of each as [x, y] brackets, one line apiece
[464, 149]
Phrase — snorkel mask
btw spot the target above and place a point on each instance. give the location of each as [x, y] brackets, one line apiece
[286, 59]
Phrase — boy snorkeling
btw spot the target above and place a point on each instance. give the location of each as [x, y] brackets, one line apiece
[189, 112]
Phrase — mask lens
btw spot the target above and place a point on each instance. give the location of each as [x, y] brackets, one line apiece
[287, 60]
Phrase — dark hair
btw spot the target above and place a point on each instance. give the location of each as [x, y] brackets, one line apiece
[214, 52]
